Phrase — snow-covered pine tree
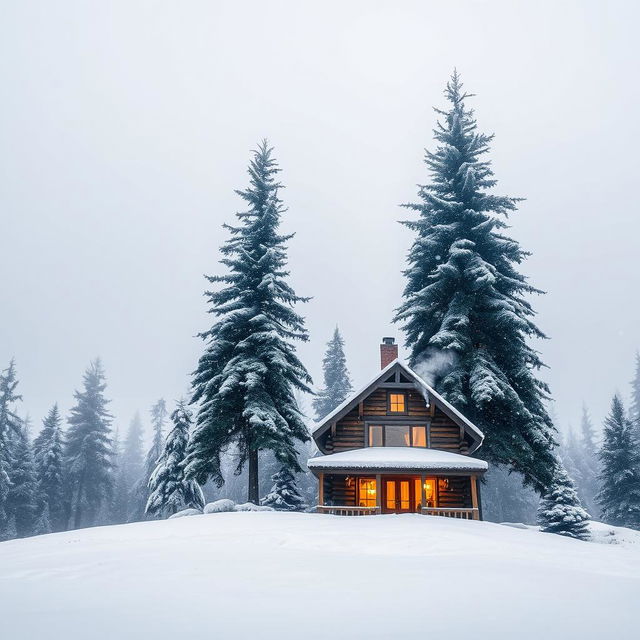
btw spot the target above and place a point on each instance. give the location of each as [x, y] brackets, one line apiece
[49, 464]
[88, 449]
[158, 419]
[560, 510]
[337, 383]
[619, 495]
[465, 298]
[634, 409]
[131, 464]
[119, 502]
[10, 424]
[284, 494]
[246, 379]
[43, 522]
[23, 493]
[588, 464]
[169, 490]
[570, 452]
[8, 528]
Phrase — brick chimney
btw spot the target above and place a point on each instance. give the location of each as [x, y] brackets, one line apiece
[388, 351]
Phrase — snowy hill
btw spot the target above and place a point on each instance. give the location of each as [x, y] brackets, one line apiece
[278, 575]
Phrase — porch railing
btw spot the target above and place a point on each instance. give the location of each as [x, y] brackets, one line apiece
[343, 510]
[447, 512]
[452, 512]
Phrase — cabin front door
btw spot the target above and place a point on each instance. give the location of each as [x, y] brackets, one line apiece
[397, 496]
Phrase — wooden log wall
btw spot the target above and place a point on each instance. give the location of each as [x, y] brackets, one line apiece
[350, 430]
[458, 493]
[337, 491]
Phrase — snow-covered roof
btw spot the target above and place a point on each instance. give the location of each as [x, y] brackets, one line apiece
[353, 400]
[392, 458]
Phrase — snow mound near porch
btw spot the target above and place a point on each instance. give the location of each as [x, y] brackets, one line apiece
[247, 575]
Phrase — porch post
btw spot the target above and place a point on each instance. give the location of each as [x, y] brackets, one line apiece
[423, 491]
[321, 489]
[379, 493]
[474, 497]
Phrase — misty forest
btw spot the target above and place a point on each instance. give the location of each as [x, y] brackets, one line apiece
[240, 428]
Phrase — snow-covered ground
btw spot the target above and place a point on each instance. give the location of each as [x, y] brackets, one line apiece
[278, 575]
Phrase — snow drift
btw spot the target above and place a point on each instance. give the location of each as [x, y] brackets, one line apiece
[307, 576]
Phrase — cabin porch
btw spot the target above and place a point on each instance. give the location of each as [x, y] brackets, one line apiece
[450, 495]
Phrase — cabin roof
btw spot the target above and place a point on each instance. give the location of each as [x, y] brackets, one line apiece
[341, 410]
[395, 458]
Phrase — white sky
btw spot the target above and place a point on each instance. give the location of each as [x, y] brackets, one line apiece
[126, 126]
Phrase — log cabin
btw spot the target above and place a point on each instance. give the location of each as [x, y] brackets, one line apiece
[397, 446]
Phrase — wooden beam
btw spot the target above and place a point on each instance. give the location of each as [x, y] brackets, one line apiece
[321, 489]
[423, 491]
[379, 492]
[474, 497]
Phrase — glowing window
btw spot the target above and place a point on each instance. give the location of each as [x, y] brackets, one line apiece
[366, 492]
[375, 436]
[430, 493]
[418, 437]
[397, 403]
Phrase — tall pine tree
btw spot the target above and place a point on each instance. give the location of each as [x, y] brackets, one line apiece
[169, 490]
[337, 383]
[158, 419]
[634, 410]
[10, 425]
[588, 464]
[131, 464]
[23, 493]
[619, 495]
[465, 299]
[246, 379]
[88, 449]
[119, 502]
[49, 465]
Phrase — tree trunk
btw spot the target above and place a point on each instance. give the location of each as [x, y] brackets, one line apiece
[254, 493]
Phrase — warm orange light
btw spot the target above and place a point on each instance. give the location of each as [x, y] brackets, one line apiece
[428, 488]
[397, 402]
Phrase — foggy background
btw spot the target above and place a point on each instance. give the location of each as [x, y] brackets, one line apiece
[126, 127]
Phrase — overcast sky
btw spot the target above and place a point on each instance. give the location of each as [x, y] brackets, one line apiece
[126, 126]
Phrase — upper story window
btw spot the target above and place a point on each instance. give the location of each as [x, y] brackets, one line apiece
[396, 435]
[397, 402]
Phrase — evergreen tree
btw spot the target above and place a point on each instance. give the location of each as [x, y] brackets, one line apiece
[465, 299]
[158, 419]
[337, 384]
[119, 506]
[132, 466]
[634, 410]
[8, 529]
[619, 495]
[560, 510]
[170, 490]
[49, 466]
[88, 449]
[506, 499]
[22, 498]
[588, 464]
[9, 425]
[284, 495]
[246, 379]
[43, 523]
